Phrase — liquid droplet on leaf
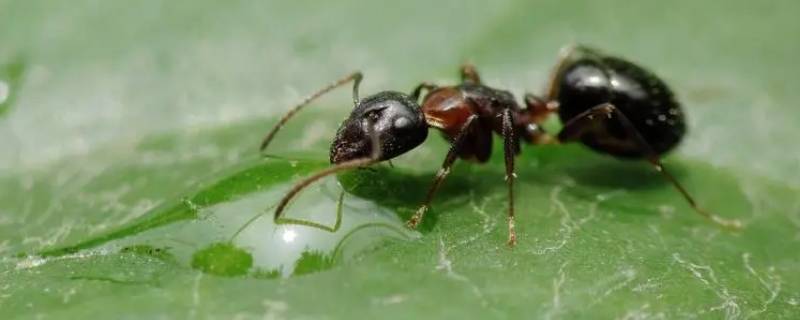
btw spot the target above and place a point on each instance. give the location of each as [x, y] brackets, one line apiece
[228, 228]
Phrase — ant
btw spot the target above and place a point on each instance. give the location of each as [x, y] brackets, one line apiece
[609, 104]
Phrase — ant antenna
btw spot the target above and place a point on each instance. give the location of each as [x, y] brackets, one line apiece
[355, 77]
[336, 168]
[347, 165]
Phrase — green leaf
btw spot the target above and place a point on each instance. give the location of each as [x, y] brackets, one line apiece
[10, 80]
[130, 184]
[222, 259]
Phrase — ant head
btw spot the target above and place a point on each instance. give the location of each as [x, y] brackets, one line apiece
[391, 119]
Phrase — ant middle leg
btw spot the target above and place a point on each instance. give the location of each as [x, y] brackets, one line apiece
[355, 77]
[452, 154]
[509, 148]
[590, 120]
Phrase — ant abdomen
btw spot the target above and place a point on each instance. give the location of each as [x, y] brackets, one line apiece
[588, 79]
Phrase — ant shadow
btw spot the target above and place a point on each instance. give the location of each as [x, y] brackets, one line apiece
[404, 191]
[590, 168]
[601, 174]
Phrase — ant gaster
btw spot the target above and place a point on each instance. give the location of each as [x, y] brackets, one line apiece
[609, 104]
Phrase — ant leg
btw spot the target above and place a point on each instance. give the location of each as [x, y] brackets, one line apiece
[565, 55]
[458, 142]
[576, 127]
[342, 166]
[469, 74]
[355, 77]
[561, 62]
[509, 141]
[418, 90]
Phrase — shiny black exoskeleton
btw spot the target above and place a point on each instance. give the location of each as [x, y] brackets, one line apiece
[396, 122]
[587, 78]
[609, 104]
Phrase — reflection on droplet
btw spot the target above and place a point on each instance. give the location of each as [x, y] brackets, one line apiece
[289, 235]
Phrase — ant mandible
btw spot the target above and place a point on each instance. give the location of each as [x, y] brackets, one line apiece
[609, 104]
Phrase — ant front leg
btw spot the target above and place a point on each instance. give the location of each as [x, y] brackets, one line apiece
[469, 74]
[355, 77]
[590, 120]
[509, 148]
[452, 154]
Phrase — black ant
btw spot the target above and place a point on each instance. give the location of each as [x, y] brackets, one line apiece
[609, 104]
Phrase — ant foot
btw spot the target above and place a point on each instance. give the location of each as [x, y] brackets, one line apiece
[416, 218]
[734, 224]
[512, 233]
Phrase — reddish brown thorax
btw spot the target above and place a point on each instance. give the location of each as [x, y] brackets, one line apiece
[447, 109]
[450, 108]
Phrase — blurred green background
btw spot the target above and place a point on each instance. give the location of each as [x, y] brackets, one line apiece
[112, 109]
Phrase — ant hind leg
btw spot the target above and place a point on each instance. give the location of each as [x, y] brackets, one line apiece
[565, 55]
[575, 128]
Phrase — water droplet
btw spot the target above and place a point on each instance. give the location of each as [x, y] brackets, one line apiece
[228, 229]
